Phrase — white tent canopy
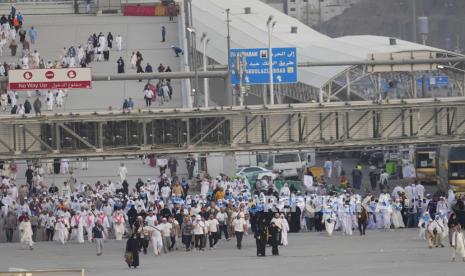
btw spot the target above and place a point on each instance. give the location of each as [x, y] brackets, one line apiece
[250, 31]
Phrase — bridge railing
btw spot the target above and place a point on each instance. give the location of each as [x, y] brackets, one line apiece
[54, 272]
[28, 7]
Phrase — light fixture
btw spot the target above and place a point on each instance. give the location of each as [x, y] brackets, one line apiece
[269, 20]
[204, 35]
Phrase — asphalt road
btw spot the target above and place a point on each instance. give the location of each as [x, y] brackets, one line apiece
[104, 170]
[377, 253]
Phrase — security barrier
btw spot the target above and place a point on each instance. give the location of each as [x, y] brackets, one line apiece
[48, 272]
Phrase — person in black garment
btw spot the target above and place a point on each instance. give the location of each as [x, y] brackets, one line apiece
[274, 233]
[261, 233]
[132, 246]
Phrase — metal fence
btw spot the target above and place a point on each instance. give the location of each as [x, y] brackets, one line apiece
[29, 7]
[20, 2]
[51, 272]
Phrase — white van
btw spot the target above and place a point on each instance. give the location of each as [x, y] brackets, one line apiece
[245, 159]
[291, 163]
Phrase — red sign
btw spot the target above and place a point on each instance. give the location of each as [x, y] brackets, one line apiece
[49, 75]
[71, 74]
[27, 75]
[48, 79]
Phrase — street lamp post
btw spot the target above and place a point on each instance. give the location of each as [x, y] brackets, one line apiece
[270, 24]
[228, 41]
[191, 31]
[414, 20]
[205, 41]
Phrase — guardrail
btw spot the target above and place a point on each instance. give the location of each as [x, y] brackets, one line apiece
[25, 272]
[47, 7]
[32, 1]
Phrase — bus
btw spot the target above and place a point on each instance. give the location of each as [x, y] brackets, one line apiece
[426, 165]
[452, 168]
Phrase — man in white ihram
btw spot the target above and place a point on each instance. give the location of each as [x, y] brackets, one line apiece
[122, 172]
[328, 168]
[119, 43]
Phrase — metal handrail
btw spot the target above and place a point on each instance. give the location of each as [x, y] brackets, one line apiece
[36, 2]
[44, 271]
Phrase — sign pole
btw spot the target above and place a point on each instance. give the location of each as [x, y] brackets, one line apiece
[228, 41]
[241, 70]
[270, 56]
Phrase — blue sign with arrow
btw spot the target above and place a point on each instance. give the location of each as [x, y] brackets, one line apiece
[252, 66]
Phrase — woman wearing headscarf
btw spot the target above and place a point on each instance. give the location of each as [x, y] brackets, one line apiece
[132, 252]
[329, 218]
[452, 224]
[284, 230]
[458, 243]
[25, 231]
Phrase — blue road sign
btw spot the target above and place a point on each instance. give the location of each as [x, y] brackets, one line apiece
[253, 65]
[440, 81]
[433, 81]
[423, 81]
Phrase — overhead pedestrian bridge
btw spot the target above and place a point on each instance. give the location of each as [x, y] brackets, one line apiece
[337, 125]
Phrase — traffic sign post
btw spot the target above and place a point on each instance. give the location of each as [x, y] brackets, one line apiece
[251, 66]
[433, 81]
[47, 79]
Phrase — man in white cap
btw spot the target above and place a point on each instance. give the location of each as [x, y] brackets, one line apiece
[199, 232]
[213, 229]
[50, 225]
[166, 234]
[240, 228]
[151, 219]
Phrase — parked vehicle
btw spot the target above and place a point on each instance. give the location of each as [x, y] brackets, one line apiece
[426, 165]
[290, 164]
[452, 168]
[255, 173]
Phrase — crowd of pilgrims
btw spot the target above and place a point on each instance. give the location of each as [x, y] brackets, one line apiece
[96, 49]
[168, 210]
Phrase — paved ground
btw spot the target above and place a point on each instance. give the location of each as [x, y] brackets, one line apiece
[139, 34]
[107, 169]
[378, 253]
